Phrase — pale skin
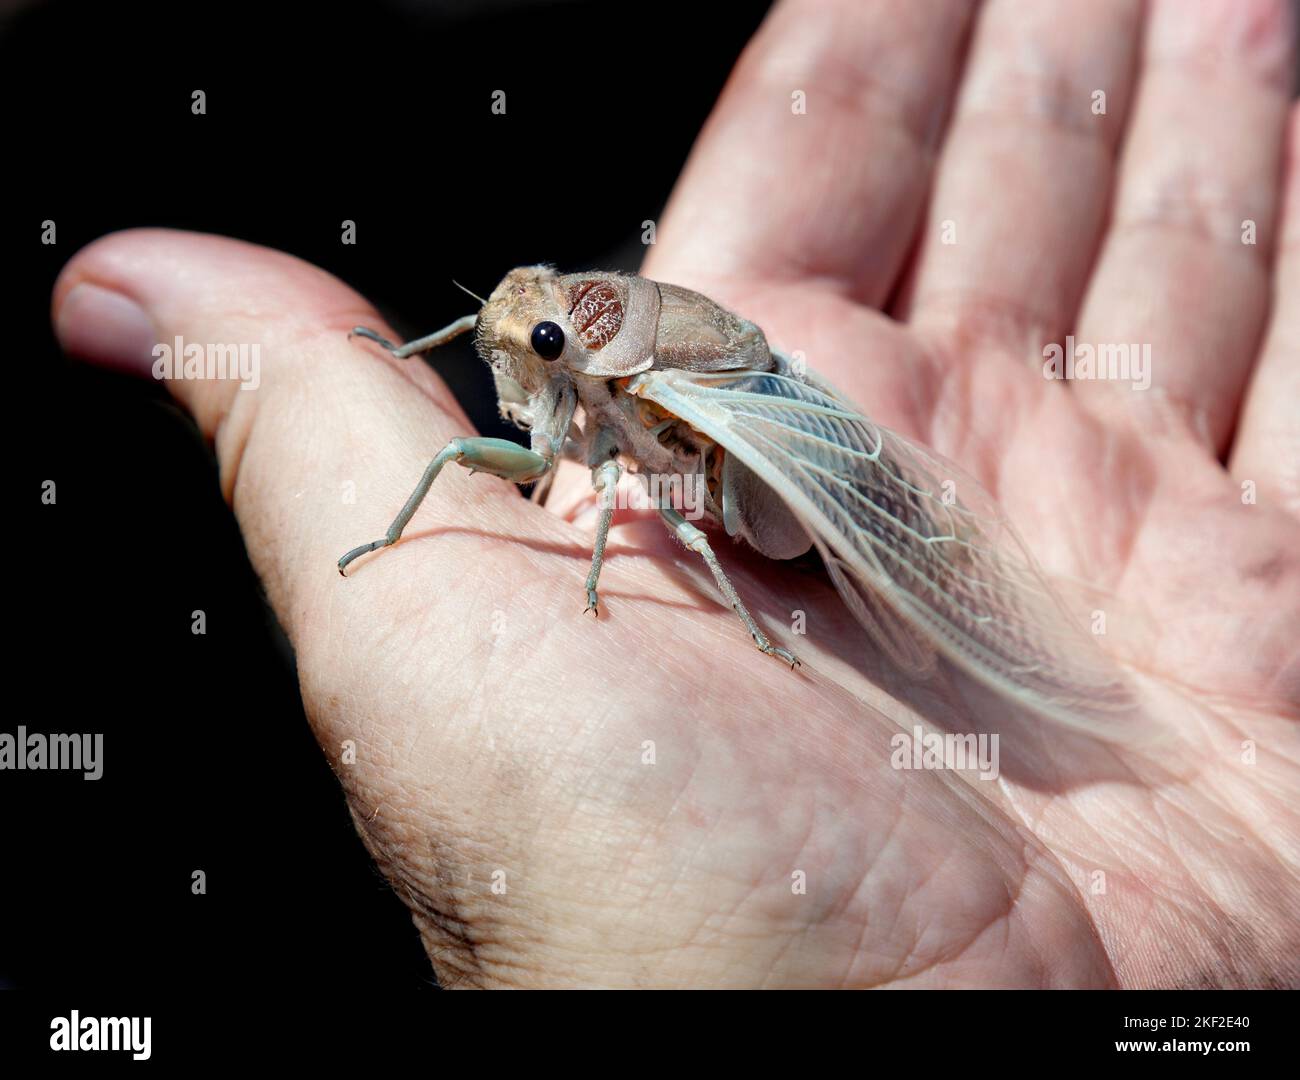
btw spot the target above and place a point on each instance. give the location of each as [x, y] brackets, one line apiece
[502, 737]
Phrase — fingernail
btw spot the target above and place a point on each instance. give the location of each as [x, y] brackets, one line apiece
[106, 328]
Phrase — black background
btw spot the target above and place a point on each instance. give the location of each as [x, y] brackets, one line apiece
[379, 114]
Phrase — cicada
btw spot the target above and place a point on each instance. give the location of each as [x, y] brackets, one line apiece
[621, 372]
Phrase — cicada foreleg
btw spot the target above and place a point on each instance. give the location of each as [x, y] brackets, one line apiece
[697, 541]
[500, 457]
[430, 341]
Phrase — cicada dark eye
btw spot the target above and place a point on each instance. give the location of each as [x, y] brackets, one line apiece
[547, 340]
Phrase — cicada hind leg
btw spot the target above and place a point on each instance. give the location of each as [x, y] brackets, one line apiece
[697, 541]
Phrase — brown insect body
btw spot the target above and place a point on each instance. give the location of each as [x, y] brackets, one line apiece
[616, 326]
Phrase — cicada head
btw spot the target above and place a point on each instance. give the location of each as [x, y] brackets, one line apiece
[521, 335]
[537, 323]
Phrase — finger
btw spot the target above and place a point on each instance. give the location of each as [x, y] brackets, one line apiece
[1025, 173]
[816, 158]
[1267, 447]
[323, 446]
[1185, 266]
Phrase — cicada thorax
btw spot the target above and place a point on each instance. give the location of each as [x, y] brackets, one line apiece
[696, 334]
[614, 319]
[625, 324]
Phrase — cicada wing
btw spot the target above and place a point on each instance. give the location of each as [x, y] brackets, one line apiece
[903, 643]
[909, 529]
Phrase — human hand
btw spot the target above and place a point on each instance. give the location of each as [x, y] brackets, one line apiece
[497, 730]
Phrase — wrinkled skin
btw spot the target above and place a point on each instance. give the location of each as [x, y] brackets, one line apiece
[500, 731]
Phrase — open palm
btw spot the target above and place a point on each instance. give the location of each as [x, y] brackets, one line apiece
[648, 800]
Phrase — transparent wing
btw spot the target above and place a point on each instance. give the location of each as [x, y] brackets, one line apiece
[905, 527]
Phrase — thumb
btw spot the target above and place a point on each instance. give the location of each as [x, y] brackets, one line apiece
[319, 438]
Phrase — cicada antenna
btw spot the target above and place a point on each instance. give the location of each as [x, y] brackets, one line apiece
[466, 291]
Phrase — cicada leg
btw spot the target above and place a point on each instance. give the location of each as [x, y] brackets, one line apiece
[697, 541]
[419, 345]
[499, 457]
[604, 479]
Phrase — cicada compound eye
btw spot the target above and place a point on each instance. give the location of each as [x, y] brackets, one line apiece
[547, 340]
